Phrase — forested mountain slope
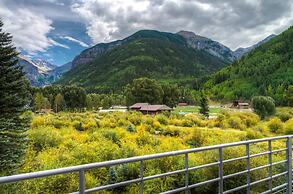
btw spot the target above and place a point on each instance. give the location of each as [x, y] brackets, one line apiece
[159, 55]
[267, 70]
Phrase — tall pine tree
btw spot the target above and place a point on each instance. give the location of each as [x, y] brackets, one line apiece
[14, 100]
[204, 106]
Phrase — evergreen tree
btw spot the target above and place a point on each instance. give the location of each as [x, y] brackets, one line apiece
[14, 100]
[204, 106]
[289, 96]
[59, 103]
[263, 106]
[40, 102]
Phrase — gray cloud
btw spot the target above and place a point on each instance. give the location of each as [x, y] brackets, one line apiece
[233, 22]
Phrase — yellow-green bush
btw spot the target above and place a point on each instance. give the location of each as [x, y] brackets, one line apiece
[288, 127]
[275, 125]
[66, 139]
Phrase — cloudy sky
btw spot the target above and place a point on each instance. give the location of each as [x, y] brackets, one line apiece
[57, 30]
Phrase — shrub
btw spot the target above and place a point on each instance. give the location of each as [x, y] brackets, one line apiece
[262, 128]
[197, 139]
[44, 137]
[275, 125]
[162, 119]
[157, 125]
[235, 123]
[288, 128]
[130, 128]
[58, 124]
[251, 134]
[38, 121]
[78, 126]
[187, 123]
[171, 131]
[264, 106]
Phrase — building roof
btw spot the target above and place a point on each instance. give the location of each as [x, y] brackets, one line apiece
[139, 105]
[161, 107]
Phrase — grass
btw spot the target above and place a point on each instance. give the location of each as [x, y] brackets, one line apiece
[195, 109]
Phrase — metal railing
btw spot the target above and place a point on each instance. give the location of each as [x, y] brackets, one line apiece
[285, 187]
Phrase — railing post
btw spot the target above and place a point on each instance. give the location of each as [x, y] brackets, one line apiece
[81, 182]
[270, 165]
[289, 164]
[221, 181]
[186, 173]
[141, 177]
[248, 169]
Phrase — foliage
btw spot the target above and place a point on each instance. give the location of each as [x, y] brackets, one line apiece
[41, 102]
[275, 125]
[289, 96]
[284, 113]
[288, 128]
[94, 101]
[14, 120]
[204, 106]
[144, 90]
[59, 103]
[65, 139]
[263, 106]
[59, 98]
[267, 70]
[157, 55]
[171, 94]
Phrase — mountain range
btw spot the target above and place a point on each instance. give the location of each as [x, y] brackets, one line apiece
[198, 54]
[238, 53]
[40, 72]
[147, 53]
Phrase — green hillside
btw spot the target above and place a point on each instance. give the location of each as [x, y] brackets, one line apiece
[153, 54]
[267, 70]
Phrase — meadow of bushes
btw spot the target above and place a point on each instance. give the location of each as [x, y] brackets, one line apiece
[66, 139]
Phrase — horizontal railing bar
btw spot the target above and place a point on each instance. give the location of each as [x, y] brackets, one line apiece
[268, 178]
[235, 174]
[209, 165]
[253, 169]
[163, 174]
[279, 191]
[203, 166]
[275, 188]
[235, 189]
[13, 178]
[279, 150]
[259, 154]
[264, 153]
[235, 159]
[191, 186]
[253, 155]
[279, 162]
[112, 186]
[255, 182]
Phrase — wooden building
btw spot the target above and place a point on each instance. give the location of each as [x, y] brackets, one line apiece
[240, 105]
[147, 108]
[137, 106]
[155, 109]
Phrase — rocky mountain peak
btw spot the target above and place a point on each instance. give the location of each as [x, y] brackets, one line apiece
[190, 35]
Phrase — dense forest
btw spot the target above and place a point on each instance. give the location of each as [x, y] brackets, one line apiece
[267, 70]
[160, 56]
